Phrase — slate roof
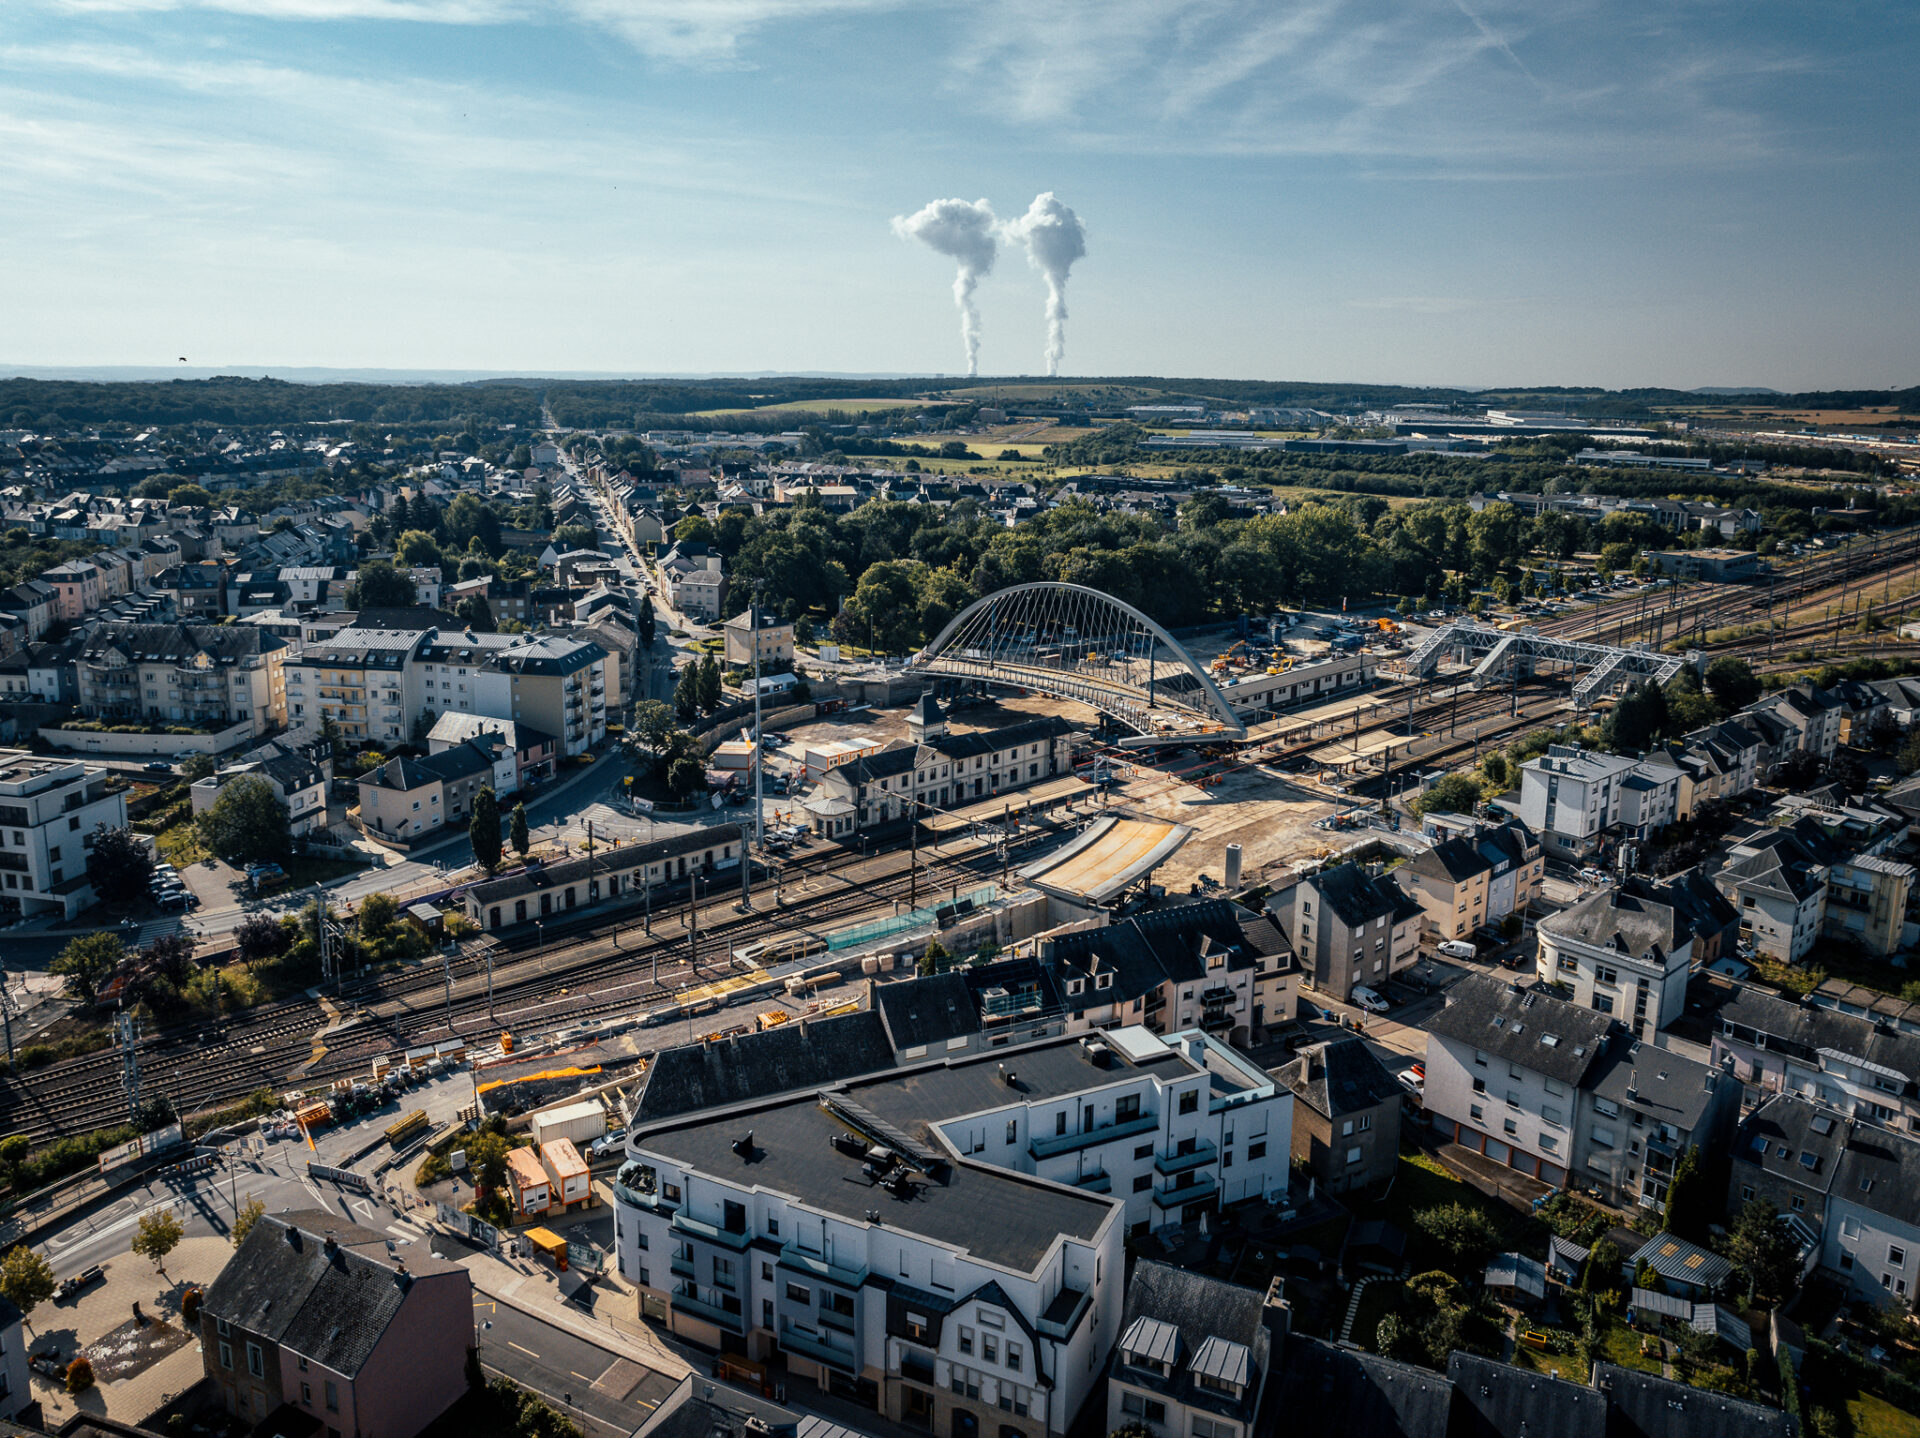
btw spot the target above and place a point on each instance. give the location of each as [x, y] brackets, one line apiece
[1644, 1405]
[1880, 1171]
[460, 762]
[1803, 1030]
[811, 1054]
[1793, 1140]
[329, 1304]
[1221, 1329]
[1663, 1085]
[179, 642]
[1358, 899]
[1626, 919]
[626, 857]
[1360, 1394]
[1339, 1077]
[1493, 1398]
[547, 655]
[1528, 1027]
[927, 1011]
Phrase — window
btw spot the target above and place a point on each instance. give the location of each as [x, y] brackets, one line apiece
[917, 1328]
[1603, 1137]
[1136, 1406]
[1354, 1155]
[1190, 1101]
[1144, 1150]
[1602, 1004]
[840, 1305]
[1476, 1113]
[1213, 1428]
[1256, 1151]
[766, 1271]
[1059, 1125]
[226, 1355]
[670, 1192]
[1896, 1255]
[799, 1293]
[306, 1394]
[1126, 1108]
[256, 1364]
[966, 1340]
[773, 1229]
[1143, 1183]
[333, 1397]
[1479, 1085]
[1013, 1356]
[722, 1272]
[1511, 1128]
[1606, 1108]
[1013, 1130]
[1479, 1059]
[1799, 1204]
[1606, 974]
[989, 1349]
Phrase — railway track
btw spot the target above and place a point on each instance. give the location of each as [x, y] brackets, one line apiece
[279, 1044]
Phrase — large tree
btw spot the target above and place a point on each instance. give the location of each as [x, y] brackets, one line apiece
[517, 834]
[1763, 1249]
[26, 1279]
[260, 937]
[120, 865]
[378, 585]
[652, 723]
[86, 962]
[1732, 683]
[710, 687]
[247, 821]
[483, 829]
[1451, 794]
[157, 1235]
[1690, 1206]
[646, 623]
[418, 549]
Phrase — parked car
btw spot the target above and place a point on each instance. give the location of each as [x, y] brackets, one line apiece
[1458, 949]
[158, 766]
[1412, 1082]
[1367, 999]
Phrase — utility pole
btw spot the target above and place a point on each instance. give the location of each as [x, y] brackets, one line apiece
[6, 1014]
[489, 958]
[446, 973]
[327, 960]
[127, 1029]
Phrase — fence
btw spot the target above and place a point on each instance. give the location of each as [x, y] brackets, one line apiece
[344, 1177]
[913, 919]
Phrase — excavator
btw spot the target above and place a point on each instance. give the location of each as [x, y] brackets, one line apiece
[1238, 655]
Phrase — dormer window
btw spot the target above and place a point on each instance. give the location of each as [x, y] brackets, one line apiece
[1074, 986]
[1103, 981]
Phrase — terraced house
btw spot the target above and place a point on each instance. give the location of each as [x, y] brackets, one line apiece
[1474, 879]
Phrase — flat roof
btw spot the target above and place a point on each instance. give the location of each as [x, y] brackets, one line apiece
[1108, 856]
[562, 1157]
[994, 1215]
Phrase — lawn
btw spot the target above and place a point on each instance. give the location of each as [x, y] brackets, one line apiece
[1422, 1182]
[1621, 1347]
[1871, 1416]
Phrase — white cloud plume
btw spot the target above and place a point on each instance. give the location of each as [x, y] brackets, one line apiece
[962, 230]
[1054, 238]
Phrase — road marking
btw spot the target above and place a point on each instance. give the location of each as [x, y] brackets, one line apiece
[528, 1351]
[578, 1374]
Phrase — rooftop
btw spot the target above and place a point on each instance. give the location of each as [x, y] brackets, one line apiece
[1525, 1026]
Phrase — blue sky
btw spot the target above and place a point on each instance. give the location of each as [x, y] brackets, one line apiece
[1621, 192]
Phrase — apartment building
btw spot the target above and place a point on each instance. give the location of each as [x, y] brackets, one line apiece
[1624, 950]
[201, 674]
[555, 684]
[49, 811]
[1194, 1356]
[1349, 927]
[1867, 898]
[1346, 1115]
[765, 634]
[948, 1292]
[1814, 716]
[78, 588]
[1645, 1107]
[531, 755]
[700, 594]
[16, 1380]
[1571, 798]
[938, 770]
[1473, 879]
[1872, 1238]
[197, 592]
[315, 1322]
[1866, 1068]
[1788, 1151]
[1505, 1066]
[364, 680]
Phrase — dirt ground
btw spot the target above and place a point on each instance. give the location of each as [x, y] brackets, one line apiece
[1270, 818]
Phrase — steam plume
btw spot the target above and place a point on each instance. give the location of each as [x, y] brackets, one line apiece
[1054, 238]
[964, 231]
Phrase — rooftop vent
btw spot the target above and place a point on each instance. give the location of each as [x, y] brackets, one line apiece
[744, 1146]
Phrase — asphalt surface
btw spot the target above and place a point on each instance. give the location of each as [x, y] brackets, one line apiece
[575, 1376]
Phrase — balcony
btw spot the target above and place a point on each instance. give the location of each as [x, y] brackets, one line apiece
[1211, 1019]
[711, 1233]
[801, 1261]
[686, 1301]
[815, 1346]
[681, 1263]
[1205, 1187]
[1203, 1154]
[1093, 1182]
[1107, 1133]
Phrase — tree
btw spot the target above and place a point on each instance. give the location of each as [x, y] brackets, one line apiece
[652, 723]
[171, 957]
[1760, 1246]
[260, 937]
[1732, 683]
[120, 866]
[483, 829]
[694, 529]
[190, 496]
[1689, 1204]
[1394, 1339]
[1908, 761]
[378, 585]
[1453, 794]
[710, 688]
[686, 693]
[196, 767]
[418, 550]
[86, 962]
[517, 831]
[251, 1212]
[486, 1163]
[1498, 771]
[686, 776]
[931, 960]
[647, 625]
[1465, 1235]
[476, 613]
[247, 821]
[1799, 769]
[157, 1235]
[1637, 720]
[26, 1279]
[13, 1153]
[378, 914]
[574, 536]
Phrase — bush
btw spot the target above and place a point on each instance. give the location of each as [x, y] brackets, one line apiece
[190, 1306]
[79, 1376]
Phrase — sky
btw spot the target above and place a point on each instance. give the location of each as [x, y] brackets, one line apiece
[1460, 192]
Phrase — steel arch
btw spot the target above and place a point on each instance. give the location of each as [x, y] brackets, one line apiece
[1078, 643]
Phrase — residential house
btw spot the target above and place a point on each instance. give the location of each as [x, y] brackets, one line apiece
[1788, 1151]
[50, 810]
[1346, 1114]
[1646, 1107]
[1350, 927]
[1571, 798]
[197, 591]
[16, 1388]
[298, 777]
[1473, 879]
[763, 633]
[1872, 1236]
[529, 755]
[1194, 1355]
[1625, 950]
[77, 586]
[405, 799]
[1778, 881]
[320, 1325]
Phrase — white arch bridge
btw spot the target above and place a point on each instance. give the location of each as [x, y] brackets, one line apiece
[1076, 643]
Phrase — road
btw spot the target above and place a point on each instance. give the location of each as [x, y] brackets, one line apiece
[579, 1378]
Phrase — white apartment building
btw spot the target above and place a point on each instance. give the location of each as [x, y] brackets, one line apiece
[49, 810]
[1624, 950]
[1571, 798]
[1780, 887]
[206, 674]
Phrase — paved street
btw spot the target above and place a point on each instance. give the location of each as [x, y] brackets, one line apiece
[580, 1378]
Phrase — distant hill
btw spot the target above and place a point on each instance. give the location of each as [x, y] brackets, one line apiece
[1726, 389]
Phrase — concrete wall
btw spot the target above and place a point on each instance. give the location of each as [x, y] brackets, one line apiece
[143, 746]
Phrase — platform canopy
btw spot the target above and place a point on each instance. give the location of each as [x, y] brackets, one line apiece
[1107, 857]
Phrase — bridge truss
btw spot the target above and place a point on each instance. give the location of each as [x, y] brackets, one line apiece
[1499, 654]
[1077, 643]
